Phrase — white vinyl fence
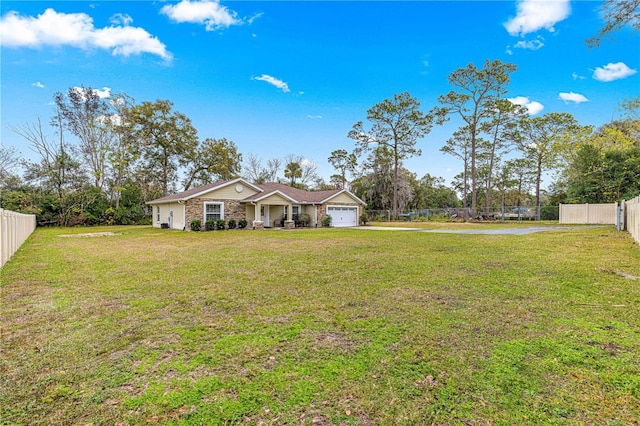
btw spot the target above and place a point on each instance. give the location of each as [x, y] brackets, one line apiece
[15, 228]
[600, 214]
[632, 217]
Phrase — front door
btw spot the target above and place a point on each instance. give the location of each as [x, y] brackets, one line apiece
[264, 216]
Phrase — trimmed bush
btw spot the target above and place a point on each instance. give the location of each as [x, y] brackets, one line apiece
[220, 224]
[364, 218]
[304, 219]
[195, 225]
[209, 225]
[242, 223]
[326, 221]
[231, 224]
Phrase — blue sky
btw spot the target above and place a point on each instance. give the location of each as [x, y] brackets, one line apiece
[288, 77]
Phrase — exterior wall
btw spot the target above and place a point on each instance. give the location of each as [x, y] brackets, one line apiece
[311, 211]
[177, 221]
[229, 193]
[342, 199]
[601, 214]
[233, 209]
[275, 199]
[249, 213]
[276, 212]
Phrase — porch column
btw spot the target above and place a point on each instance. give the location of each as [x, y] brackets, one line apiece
[289, 210]
[258, 224]
[257, 212]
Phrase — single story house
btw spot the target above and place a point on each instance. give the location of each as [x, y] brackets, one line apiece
[261, 205]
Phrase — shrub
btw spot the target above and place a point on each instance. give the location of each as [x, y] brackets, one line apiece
[549, 213]
[378, 218]
[242, 223]
[422, 219]
[220, 224]
[304, 218]
[195, 225]
[326, 221]
[209, 225]
[231, 224]
[364, 218]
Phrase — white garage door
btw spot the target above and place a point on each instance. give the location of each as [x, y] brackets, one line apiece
[343, 216]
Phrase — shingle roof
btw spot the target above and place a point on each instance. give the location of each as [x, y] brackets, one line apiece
[186, 194]
[295, 194]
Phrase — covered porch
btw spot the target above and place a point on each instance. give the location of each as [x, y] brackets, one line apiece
[278, 211]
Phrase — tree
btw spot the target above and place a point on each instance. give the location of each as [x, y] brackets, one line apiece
[166, 137]
[8, 162]
[308, 170]
[83, 113]
[212, 159]
[397, 124]
[607, 168]
[541, 139]
[430, 192]
[502, 130]
[459, 145]
[474, 101]
[292, 171]
[51, 170]
[344, 163]
[125, 149]
[375, 186]
[616, 14]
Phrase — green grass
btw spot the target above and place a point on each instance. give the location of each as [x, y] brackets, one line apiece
[321, 327]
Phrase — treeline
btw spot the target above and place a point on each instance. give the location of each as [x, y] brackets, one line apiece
[98, 160]
[505, 152]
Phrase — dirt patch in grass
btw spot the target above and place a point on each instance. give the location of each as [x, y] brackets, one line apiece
[89, 235]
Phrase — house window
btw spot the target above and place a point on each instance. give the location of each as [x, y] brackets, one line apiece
[158, 212]
[213, 211]
[295, 210]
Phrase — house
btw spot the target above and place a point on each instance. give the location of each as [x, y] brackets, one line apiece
[261, 205]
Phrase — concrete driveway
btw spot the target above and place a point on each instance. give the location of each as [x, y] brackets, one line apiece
[504, 231]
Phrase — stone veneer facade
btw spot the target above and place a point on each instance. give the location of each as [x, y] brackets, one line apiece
[233, 209]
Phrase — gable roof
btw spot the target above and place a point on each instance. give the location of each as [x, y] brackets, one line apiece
[195, 192]
[295, 195]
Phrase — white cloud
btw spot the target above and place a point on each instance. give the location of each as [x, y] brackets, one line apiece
[577, 77]
[315, 117]
[104, 93]
[210, 13]
[273, 81]
[76, 30]
[530, 45]
[576, 98]
[121, 19]
[254, 17]
[533, 107]
[38, 84]
[533, 15]
[611, 72]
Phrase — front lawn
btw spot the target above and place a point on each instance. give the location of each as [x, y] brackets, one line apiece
[321, 326]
